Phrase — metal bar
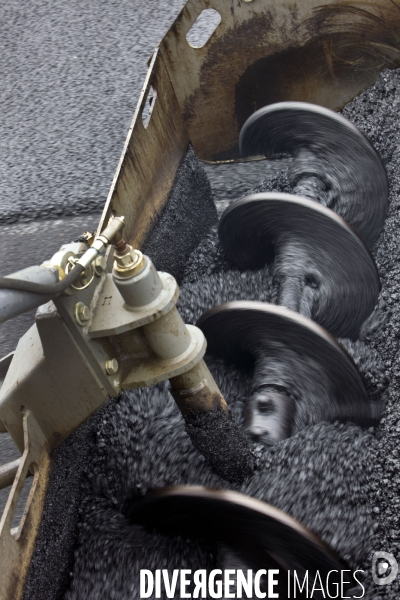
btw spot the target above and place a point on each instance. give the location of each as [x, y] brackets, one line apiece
[8, 473]
[14, 302]
[150, 158]
[17, 544]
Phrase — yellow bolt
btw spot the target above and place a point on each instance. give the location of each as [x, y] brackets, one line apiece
[81, 313]
[111, 366]
[100, 265]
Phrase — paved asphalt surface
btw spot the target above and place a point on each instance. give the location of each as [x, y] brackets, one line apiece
[70, 76]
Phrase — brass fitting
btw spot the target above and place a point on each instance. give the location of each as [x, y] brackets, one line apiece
[130, 263]
[89, 237]
[112, 234]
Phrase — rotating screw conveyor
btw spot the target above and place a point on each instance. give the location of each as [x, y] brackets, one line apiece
[325, 275]
[199, 91]
[321, 266]
[317, 237]
[301, 374]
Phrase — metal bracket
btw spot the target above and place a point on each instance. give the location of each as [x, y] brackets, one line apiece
[16, 545]
[112, 317]
[153, 370]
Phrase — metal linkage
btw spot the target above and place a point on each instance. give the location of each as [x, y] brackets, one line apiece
[64, 273]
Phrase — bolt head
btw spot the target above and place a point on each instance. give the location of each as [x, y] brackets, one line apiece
[100, 265]
[126, 260]
[111, 366]
[82, 313]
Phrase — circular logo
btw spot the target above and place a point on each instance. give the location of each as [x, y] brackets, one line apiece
[384, 568]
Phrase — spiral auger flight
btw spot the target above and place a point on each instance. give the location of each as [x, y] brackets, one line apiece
[314, 241]
[248, 533]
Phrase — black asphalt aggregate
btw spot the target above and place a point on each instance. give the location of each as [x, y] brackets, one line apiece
[71, 74]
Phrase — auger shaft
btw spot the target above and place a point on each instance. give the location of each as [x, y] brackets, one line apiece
[172, 343]
[310, 180]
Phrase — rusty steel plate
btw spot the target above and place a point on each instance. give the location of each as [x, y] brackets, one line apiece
[266, 51]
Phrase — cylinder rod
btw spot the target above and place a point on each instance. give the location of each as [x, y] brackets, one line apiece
[8, 473]
[15, 302]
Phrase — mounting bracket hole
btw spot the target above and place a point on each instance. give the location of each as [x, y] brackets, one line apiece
[203, 28]
[149, 106]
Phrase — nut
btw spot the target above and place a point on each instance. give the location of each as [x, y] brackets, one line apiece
[111, 366]
[126, 260]
[129, 264]
[81, 313]
[100, 265]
